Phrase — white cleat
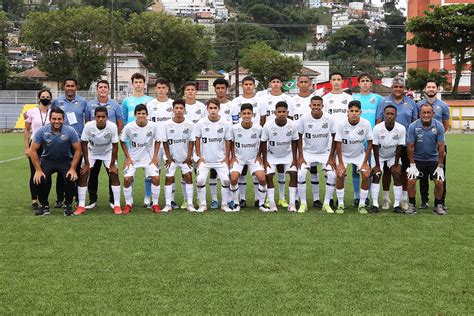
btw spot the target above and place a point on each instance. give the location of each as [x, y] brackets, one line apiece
[386, 204]
[292, 208]
[191, 208]
[111, 205]
[202, 209]
[404, 205]
[226, 208]
[166, 209]
[93, 205]
[273, 208]
[264, 209]
[237, 208]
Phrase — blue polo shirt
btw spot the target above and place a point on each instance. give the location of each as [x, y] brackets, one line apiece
[56, 146]
[74, 110]
[129, 104]
[425, 139]
[114, 111]
[369, 104]
[440, 108]
[407, 111]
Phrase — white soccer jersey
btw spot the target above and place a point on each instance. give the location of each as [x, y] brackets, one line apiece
[225, 111]
[353, 137]
[213, 136]
[267, 104]
[388, 140]
[178, 136]
[301, 106]
[142, 141]
[100, 140]
[279, 138]
[257, 111]
[317, 133]
[336, 105]
[195, 112]
[160, 111]
[246, 141]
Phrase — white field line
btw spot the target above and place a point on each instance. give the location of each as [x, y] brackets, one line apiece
[12, 159]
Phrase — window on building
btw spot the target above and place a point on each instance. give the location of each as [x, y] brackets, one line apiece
[202, 85]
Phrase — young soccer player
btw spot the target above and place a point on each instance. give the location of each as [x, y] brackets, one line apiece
[99, 141]
[389, 138]
[144, 139]
[279, 144]
[350, 137]
[213, 135]
[178, 144]
[316, 132]
[246, 152]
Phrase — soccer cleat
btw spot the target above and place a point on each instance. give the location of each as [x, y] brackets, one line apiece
[423, 205]
[374, 209]
[356, 203]
[34, 206]
[91, 205]
[243, 203]
[147, 205]
[340, 209]
[214, 205]
[226, 208]
[411, 210]
[174, 205]
[127, 209]
[445, 207]
[292, 208]
[59, 204]
[68, 210]
[297, 204]
[283, 203]
[42, 210]
[267, 202]
[184, 206]
[202, 209]
[264, 209]
[111, 205]
[117, 210]
[438, 210]
[367, 202]
[317, 204]
[256, 203]
[231, 204]
[236, 208]
[404, 204]
[167, 209]
[155, 208]
[80, 210]
[191, 209]
[303, 208]
[363, 210]
[398, 210]
[386, 203]
[331, 203]
[327, 208]
[273, 208]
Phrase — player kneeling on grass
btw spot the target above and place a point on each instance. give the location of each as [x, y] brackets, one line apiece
[144, 139]
[389, 138]
[56, 139]
[316, 131]
[246, 152]
[279, 144]
[99, 141]
[426, 155]
[213, 135]
[351, 134]
[178, 144]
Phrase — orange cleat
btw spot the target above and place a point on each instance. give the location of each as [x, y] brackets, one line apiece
[156, 208]
[80, 210]
[127, 209]
[117, 210]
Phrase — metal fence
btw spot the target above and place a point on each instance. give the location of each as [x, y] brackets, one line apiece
[29, 96]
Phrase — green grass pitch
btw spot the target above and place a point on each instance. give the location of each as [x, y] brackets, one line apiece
[245, 263]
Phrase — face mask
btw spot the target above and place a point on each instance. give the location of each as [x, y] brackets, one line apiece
[45, 101]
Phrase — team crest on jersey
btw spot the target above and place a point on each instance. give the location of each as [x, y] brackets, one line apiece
[344, 101]
[227, 111]
[438, 108]
[149, 133]
[254, 135]
[171, 131]
[325, 125]
[270, 102]
[372, 100]
[64, 137]
[220, 130]
[186, 131]
[107, 135]
[198, 112]
[76, 103]
[93, 134]
[310, 125]
[289, 132]
[206, 129]
[170, 109]
[405, 104]
[361, 132]
[434, 130]
[395, 137]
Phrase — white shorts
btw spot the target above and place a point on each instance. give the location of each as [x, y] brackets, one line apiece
[221, 169]
[252, 167]
[174, 165]
[105, 160]
[389, 162]
[279, 160]
[286, 168]
[358, 161]
[150, 170]
[315, 159]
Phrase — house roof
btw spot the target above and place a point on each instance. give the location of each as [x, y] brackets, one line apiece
[32, 73]
[309, 72]
[211, 74]
[242, 70]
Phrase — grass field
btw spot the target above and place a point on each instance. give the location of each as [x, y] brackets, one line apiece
[245, 263]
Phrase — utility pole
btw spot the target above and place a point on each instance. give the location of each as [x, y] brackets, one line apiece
[236, 35]
[112, 54]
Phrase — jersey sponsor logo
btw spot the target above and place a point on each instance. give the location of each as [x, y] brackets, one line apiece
[246, 145]
[283, 143]
[323, 135]
[239, 135]
[139, 145]
[211, 140]
[272, 143]
[155, 108]
[334, 111]
[296, 116]
[176, 141]
[346, 132]
[237, 145]
[298, 105]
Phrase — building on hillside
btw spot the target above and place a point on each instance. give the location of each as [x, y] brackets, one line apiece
[313, 4]
[318, 66]
[188, 8]
[340, 19]
[41, 76]
[204, 82]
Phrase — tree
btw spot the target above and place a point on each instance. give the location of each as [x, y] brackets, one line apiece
[263, 61]
[347, 39]
[174, 48]
[4, 65]
[446, 29]
[73, 42]
[23, 83]
[417, 78]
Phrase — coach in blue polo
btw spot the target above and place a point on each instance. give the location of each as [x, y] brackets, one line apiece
[426, 155]
[56, 139]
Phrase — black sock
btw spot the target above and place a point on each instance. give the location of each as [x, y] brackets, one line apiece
[412, 200]
[437, 202]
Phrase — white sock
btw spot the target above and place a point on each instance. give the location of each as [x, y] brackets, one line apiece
[234, 192]
[404, 195]
[127, 192]
[146, 200]
[116, 194]
[213, 188]
[374, 191]
[225, 195]
[242, 187]
[189, 193]
[271, 195]
[386, 195]
[363, 196]
[202, 195]
[155, 193]
[262, 192]
[397, 193]
[330, 186]
[315, 186]
[302, 192]
[183, 188]
[340, 196]
[281, 186]
[168, 194]
[292, 191]
[81, 195]
[255, 188]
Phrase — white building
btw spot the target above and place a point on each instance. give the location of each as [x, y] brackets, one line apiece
[320, 66]
[340, 19]
[313, 4]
